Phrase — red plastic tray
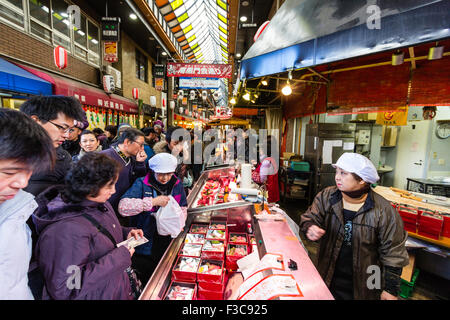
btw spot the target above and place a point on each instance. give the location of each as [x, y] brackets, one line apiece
[446, 225]
[244, 235]
[213, 255]
[410, 218]
[231, 260]
[221, 222]
[184, 284]
[211, 278]
[180, 253]
[198, 224]
[430, 225]
[183, 275]
[210, 295]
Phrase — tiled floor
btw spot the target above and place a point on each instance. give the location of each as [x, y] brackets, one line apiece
[428, 286]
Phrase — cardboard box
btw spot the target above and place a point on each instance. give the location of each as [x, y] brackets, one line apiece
[408, 271]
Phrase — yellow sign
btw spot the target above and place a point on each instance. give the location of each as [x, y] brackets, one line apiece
[159, 84]
[110, 51]
[396, 118]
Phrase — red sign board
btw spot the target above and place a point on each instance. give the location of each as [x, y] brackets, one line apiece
[199, 70]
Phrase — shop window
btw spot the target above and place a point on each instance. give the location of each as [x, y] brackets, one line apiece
[17, 3]
[40, 10]
[40, 31]
[141, 66]
[62, 41]
[79, 35]
[93, 43]
[60, 17]
[80, 52]
[12, 13]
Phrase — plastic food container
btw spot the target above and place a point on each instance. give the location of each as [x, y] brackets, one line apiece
[216, 234]
[191, 250]
[198, 238]
[210, 271]
[213, 249]
[218, 225]
[237, 238]
[186, 269]
[430, 225]
[181, 291]
[199, 228]
[234, 253]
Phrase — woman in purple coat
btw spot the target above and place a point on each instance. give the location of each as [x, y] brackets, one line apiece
[78, 259]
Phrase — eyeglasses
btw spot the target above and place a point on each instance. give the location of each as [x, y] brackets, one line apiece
[61, 128]
[140, 144]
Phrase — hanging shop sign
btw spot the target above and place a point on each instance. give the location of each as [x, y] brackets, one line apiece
[184, 101]
[110, 29]
[159, 84]
[110, 51]
[199, 83]
[159, 70]
[223, 113]
[396, 118]
[199, 70]
[60, 56]
[108, 84]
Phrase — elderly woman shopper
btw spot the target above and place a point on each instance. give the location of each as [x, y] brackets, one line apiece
[141, 202]
[89, 143]
[78, 235]
[362, 240]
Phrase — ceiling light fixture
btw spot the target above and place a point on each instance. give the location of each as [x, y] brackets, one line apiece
[243, 19]
[233, 101]
[397, 58]
[164, 53]
[264, 82]
[246, 96]
[238, 55]
[133, 16]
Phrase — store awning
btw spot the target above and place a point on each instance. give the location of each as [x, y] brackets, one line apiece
[229, 122]
[88, 95]
[306, 33]
[15, 79]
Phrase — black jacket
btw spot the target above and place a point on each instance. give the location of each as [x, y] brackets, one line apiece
[40, 182]
[72, 147]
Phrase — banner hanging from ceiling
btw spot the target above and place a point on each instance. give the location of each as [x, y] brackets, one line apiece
[199, 70]
[199, 83]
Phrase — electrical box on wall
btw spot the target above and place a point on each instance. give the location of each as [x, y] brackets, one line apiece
[363, 137]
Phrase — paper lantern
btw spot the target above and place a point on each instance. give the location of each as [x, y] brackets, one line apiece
[60, 55]
[180, 110]
[260, 30]
[153, 101]
[108, 84]
[172, 104]
[135, 93]
[204, 94]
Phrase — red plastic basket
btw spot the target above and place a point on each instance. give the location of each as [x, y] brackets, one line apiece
[213, 255]
[184, 275]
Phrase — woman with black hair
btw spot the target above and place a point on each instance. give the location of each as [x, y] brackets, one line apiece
[78, 232]
[88, 143]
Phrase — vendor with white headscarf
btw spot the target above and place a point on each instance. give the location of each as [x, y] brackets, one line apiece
[362, 240]
[142, 200]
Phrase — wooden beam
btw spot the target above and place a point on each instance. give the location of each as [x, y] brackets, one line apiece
[411, 54]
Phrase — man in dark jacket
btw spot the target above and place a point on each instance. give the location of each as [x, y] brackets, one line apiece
[129, 152]
[362, 240]
[57, 115]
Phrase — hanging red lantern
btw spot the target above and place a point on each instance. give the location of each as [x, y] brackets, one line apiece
[135, 93]
[60, 55]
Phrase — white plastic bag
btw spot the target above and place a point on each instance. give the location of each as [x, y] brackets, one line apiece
[170, 220]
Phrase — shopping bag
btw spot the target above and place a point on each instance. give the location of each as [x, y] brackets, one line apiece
[170, 220]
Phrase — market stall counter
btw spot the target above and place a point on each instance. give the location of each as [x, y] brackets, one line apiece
[205, 261]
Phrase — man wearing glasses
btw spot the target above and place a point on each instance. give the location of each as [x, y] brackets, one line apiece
[129, 152]
[58, 115]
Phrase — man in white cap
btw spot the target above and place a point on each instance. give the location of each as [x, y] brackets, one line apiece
[142, 200]
[362, 240]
